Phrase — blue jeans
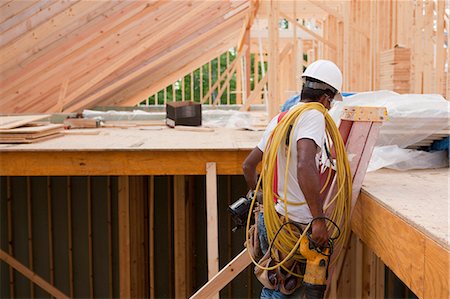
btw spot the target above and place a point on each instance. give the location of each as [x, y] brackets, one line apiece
[264, 244]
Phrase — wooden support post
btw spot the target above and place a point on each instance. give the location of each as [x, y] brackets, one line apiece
[238, 91]
[10, 233]
[212, 222]
[440, 50]
[30, 233]
[89, 233]
[124, 238]
[151, 204]
[33, 277]
[69, 235]
[50, 230]
[180, 227]
[274, 60]
[247, 63]
[110, 236]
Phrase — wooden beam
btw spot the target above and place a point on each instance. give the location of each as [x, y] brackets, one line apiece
[255, 94]
[225, 83]
[424, 267]
[261, 84]
[248, 23]
[212, 222]
[225, 276]
[180, 228]
[310, 32]
[133, 52]
[227, 73]
[208, 55]
[274, 60]
[125, 162]
[151, 204]
[11, 261]
[124, 237]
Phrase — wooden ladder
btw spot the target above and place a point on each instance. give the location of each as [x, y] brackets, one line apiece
[359, 129]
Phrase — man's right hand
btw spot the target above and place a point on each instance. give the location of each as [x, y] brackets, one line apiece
[320, 233]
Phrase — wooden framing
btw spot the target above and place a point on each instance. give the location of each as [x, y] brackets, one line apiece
[274, 60]
[180, 236]
[423, 267]
[124, 237]
[126, 162]
[211, 221]
[33, 277]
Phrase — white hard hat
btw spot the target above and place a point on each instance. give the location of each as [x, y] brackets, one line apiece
[327, 72]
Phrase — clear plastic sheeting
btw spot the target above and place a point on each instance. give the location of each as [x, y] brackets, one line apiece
[113, 115]
[232, 119]
[411, 118]
[394, 157]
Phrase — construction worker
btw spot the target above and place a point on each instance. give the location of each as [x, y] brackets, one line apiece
[322, 82]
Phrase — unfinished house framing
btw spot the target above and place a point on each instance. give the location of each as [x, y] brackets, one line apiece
[100, 199]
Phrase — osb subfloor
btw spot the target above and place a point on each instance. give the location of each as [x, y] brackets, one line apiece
[420, 197]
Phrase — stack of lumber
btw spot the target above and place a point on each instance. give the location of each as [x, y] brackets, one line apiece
[395, 68]
[26, 129]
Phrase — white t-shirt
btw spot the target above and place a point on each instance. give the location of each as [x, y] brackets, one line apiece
[312, 126]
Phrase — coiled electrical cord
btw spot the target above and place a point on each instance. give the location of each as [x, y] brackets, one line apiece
[337, 209]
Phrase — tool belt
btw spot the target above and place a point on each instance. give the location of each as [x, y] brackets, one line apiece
[277, 279]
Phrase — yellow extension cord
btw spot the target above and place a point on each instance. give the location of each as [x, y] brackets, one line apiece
[287, 241]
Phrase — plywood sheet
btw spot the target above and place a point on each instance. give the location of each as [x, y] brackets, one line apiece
[31, 129]
[9, 122]
[420, 197]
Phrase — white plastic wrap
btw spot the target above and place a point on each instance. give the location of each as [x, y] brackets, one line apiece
[411, 118]
[394, 157]
[123, 115]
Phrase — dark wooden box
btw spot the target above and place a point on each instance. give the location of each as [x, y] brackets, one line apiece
[184, 114]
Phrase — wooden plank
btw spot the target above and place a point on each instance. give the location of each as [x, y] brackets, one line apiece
[30, 233]
[62, 95]
[151, 198]
[274, 60]
[212, 222]
[137, 236]
[89, 235]
[10, 234]
[227, 73]
[30, 130]
[69, 235]
[387, 235]
[126, 162]
[50, 231]
[310, 32]
[110, 235]
[440, 50]
[225, 276]
[28, 140]
[124, 237]
[225, 44]
[31, 275]
[180, 227]
[437, 268]
[126, 58]
[10, 122]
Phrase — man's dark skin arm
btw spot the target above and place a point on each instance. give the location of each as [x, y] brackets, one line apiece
[309, 181]
[249, 167]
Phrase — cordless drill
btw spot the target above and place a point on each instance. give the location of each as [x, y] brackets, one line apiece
[316, 272]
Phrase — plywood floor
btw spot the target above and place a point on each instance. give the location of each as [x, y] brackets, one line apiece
[420, 197]
[147, 138]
